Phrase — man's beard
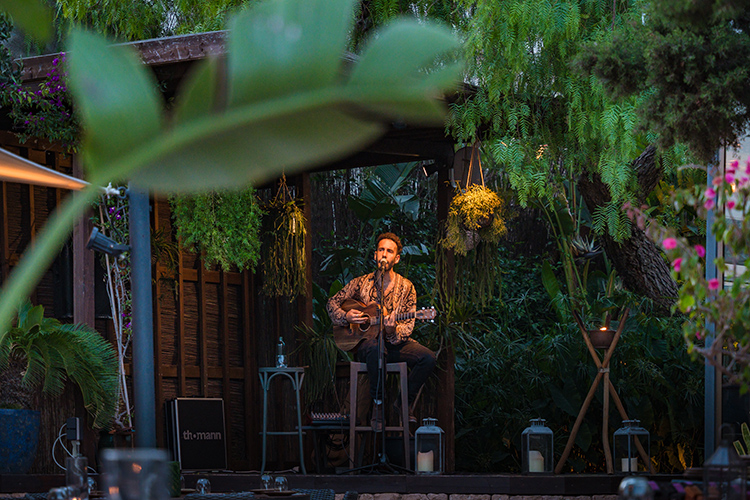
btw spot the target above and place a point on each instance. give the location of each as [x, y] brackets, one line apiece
[387, 267]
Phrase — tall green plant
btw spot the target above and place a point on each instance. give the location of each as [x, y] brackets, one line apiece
[42, 353]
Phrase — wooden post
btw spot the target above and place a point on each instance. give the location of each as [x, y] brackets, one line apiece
[447, 377]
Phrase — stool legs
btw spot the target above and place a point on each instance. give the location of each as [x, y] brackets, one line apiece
[355, 369]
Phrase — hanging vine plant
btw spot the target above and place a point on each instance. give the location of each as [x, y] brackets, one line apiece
[475, 214]
[284, 261]
[223, 225]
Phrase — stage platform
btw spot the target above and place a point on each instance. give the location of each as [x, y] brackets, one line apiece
[566, 485]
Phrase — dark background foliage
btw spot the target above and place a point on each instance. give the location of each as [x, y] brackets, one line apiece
[689, 60]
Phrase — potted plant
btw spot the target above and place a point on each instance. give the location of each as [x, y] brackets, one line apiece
[475, 214]
[37, 356]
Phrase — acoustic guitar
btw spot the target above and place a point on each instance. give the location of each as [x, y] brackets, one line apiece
[347, 338]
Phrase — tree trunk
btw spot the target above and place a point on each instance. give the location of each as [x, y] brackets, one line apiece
[638, 261]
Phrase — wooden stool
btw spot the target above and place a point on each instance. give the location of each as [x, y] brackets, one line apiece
[355, 369]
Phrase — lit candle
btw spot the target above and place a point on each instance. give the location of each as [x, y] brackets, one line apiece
[536, 461]
[425, 461]
[630, 464]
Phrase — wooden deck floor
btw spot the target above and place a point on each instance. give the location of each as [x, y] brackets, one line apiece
[469, 484]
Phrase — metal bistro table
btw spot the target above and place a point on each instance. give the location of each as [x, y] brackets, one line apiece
[296, 375]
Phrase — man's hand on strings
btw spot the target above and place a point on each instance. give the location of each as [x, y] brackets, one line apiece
[356, 316]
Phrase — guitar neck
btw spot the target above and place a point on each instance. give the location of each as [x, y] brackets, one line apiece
[399, 317]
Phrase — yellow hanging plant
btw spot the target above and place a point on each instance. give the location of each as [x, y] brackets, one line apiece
[475, 214]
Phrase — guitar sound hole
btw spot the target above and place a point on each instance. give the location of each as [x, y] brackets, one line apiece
[365, 326]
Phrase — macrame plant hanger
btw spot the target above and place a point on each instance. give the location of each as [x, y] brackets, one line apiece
[474, 150]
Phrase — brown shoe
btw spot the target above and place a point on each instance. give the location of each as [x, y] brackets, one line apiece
[412, 418]
[377, 417]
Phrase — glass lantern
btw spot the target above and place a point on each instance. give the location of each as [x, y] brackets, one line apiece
[429, 448]
[536, 448]
[632, 448]
[724, 474]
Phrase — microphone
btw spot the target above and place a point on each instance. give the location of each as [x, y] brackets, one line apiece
[383, 262]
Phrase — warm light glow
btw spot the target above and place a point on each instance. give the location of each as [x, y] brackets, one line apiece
[14, 168]
[426, 461]
[603, 328]
[536, 461]
[114, 491]
[137, 468]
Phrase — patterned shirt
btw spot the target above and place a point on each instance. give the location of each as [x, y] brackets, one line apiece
[400, 297]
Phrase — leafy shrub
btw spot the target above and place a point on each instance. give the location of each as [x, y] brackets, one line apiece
[532, 366]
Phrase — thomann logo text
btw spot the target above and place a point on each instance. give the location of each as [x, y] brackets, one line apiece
[204, 436]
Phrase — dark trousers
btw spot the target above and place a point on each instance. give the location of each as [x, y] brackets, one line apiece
[420, 360]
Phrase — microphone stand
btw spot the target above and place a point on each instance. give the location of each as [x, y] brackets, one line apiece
[382, 465]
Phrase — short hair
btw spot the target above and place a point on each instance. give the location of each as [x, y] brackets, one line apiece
[393, 238]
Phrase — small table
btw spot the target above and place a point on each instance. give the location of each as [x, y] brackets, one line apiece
[296, 375]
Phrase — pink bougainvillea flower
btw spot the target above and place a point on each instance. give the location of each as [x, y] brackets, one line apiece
[716, 181]
[709, 204]
[713, 284]
[733, 166]
[700, 250]
[710, 193]
[669, 243]
[677, 264]
[731, 204]
[699, 335]
[729, 178]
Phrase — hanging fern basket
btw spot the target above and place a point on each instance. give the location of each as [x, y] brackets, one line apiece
[223, 225]
[475, 214]
[284, 261]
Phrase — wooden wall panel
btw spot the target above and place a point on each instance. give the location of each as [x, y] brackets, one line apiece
[189, 334]
[235, 341]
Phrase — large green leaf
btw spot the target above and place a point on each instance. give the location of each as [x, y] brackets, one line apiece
[385, 61]
[416, 72]
[562, 402]
[32, 16]
[549, 280]
[281, 47]
[116, 97]
[198, 92]
[253, 144]
[366, 210]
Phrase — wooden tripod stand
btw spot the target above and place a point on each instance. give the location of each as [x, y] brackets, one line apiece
[609, 388]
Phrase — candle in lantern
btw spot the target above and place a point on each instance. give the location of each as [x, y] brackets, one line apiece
[536, 461]
[425, 461]
[630, 464]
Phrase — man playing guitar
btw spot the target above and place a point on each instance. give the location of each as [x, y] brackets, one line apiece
[399, 301]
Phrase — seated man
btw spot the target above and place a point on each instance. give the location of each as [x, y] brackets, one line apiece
[399, 297]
